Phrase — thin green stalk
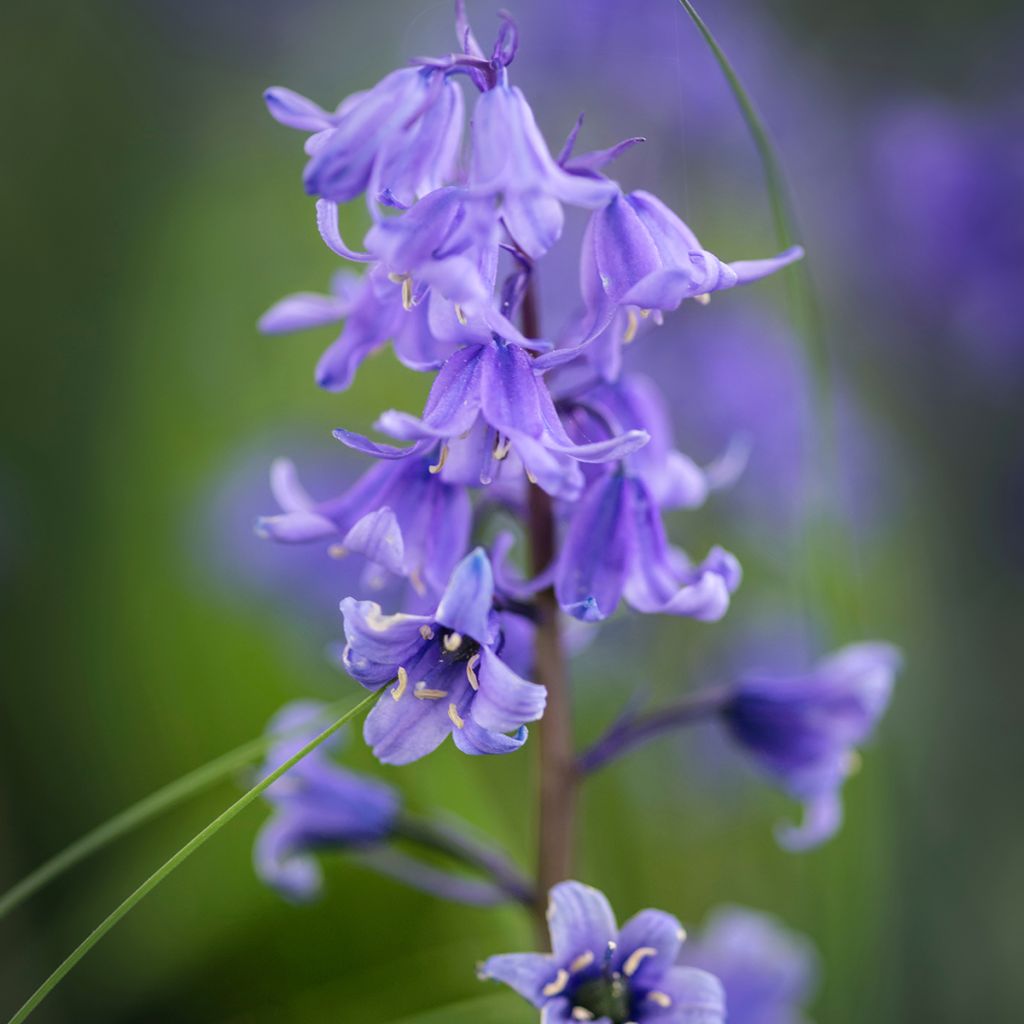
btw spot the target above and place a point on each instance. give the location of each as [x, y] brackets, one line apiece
[179, 858]
[138, 814]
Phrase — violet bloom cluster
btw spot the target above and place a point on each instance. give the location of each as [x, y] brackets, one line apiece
[460, 224]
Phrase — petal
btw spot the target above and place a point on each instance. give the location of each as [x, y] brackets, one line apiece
[612, 449]
[580, 920]
[534, 221]
[327, 225]
[404, 730]
[384, 639]
[505, 700]
[467, 602]
[649, 930]
[474, 739]
[555, 472]
[696, 997]
[285, 486]
[377, 537]
[524, 973]
[363, 444]
[823, 814]
[753, 270]
[301, 311]
[297, 876]
[294, 110]
[509, 390]
[295, 527]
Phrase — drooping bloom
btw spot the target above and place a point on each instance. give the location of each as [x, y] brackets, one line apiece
[638, 254]
[373, 312]
[768, 972]
[399, 515]
[317, 805]
[450, 674]
[498, 384]
[599, 972]
[397, 141]
[616, 547]
[803, 730]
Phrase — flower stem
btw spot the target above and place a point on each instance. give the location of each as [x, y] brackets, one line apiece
[634, 730]
[138, 814]
[557, 796]
[179, 858]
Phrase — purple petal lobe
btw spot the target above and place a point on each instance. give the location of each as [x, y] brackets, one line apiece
[505, 700]
[294, 110]
[580, 919]
[467, 602]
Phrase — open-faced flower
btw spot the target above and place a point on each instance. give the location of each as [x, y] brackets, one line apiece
[511, 159]
[599, 972]
[768, 972]
[317, 806]
[615, 547]
[638, 254]
[399, 515]
[373, 312]
[498, 384]
[399, 140]
[803, 731]
[448, 673]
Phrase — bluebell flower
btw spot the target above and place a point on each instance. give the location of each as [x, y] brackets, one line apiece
[638, 254]
[317, 805]
[399, 515]
[616, 547]
[397, 141]
[768, 972]
[498, 384]
[510, 159]
[372, 309]
[450, 676]
[802, 731]
[599, 972]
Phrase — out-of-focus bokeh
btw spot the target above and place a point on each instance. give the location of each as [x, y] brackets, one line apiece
[153, 211]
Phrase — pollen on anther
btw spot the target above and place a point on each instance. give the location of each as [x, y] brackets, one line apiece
[581, 1013]
[501, 448]
[426, 632]
[439, 465]
[632, 323]
[582, 962]
[457, 720]
[637, 957]
[403, 682]
[661, 999]
[407, 293]
[558, 985]
[452, 642]
[337, 551]
[423, 692]
[704, 299]
[460, 315]
[471, 671]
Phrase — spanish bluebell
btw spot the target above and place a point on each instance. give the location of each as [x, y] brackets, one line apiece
[599, 972]
[447, 669]
[317, 805]
[803, 730]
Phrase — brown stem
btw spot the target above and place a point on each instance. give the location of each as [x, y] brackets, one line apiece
[557, 796]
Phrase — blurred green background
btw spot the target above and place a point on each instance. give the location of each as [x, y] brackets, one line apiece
[153, 211]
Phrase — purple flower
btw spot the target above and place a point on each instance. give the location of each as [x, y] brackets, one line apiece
[803, 730]
[398, 141]
[450, 676]
[510, 158]
[767, 971]
[637, 253]
[599, 972]
[616, 547]
[373, 310]
[317, 805]
[497, 384]
[399, 515]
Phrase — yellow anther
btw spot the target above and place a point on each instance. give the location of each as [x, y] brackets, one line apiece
[407, 294]
[632, 323]
[457, 720]
[636, 958]
[501, 448]
[703, 299]
[558, 985]
[416, 580]
[439, 465]
[423, 692]
[396, 278]
[582, 962]
[471, 671]
[645, 313]
[460, 315]
[580, 1013]
[337, 551]
[426, 632]
[660, 998]
[403, 682]
[452, 642]
[530, 477]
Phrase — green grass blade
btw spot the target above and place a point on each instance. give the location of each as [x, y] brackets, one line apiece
[179, 858]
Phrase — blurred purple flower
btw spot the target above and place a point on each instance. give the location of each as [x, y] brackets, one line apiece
[599, 972]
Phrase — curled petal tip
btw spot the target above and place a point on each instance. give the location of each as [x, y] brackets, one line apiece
[586, 610]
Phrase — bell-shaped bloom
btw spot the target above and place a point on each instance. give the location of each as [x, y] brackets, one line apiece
[615, 547]
[448, 672]
[637, 253]
[498, 384]
[399, 515]
[397, 141]
[373, 312]
[317, 806]
[599, 972]
[510, 158]
[803, 731]
[768, 972]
